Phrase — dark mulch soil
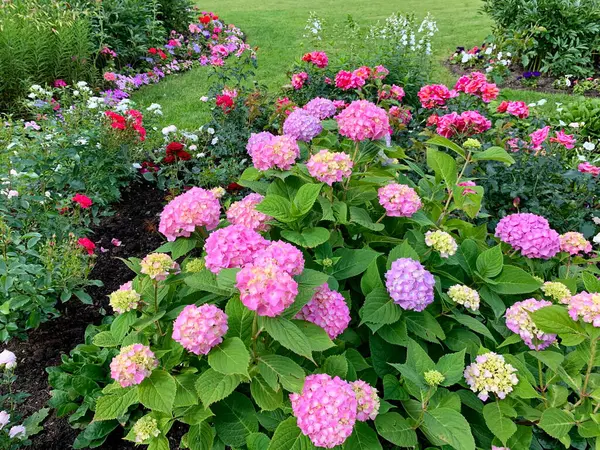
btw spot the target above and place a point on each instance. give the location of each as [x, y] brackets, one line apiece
[544, 83]
[134, 223]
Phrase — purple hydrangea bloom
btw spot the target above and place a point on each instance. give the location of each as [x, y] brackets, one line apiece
[302, 126]
[409, 284]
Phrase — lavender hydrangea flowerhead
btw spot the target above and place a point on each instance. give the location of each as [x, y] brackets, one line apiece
[442, 242]
[529, 233]
[363, 120]
[584, 306]
[519, 321]
[182, 215]
[266, 289]
[327, 309]
[491, 374]
[256, 140]
[278, 152]
[464, 295]
[302, 126]
[132, 365]
[367, 401]
[232, 246]
[399, 200]
[321, 108]
[574, 243]
[158, 266]
[123, 300]
[325, 410]
[409, 284]
[556, 290]
[199, 328]
[284, 255]
[244, 213]
[145, 428]
[330, 167]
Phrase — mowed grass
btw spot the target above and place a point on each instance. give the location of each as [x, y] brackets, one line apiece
[276, 27]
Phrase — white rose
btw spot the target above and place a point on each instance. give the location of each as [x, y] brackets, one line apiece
[4, 419]
[215, 140]
[8, 359]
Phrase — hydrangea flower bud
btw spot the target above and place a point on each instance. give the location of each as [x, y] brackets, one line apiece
[327, 309]
[519, 321]
[244, 213]
[490, 373]
[464, 295]
[199, 328]
[186, 212]
[556, 290]
[266, 289]
[330, 167]
[145, 428]
[195, 265]
[472, 144]
[433, 378]
[232, 246]
[132, 364]
[325, 410]
[124, 300]
[399, 200]
[158, 266]
[409, 284]
[367, 401]
[442, 242]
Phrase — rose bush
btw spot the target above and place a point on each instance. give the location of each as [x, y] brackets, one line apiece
[362, 316]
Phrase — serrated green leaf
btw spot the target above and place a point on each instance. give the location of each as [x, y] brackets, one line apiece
[213, 386]
[157, 392]
[230, 357]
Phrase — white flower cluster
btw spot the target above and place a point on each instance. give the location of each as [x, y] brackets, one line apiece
[155, 109]
[404, 34]
[314, 26]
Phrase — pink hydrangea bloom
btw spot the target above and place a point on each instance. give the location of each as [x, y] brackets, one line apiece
[278, 152]
[348, 80]
[584, 306]
[434, 95]
[298, 80]
[467, 184]
[232, 246]
[586, 167]
[325, 410]
[302, 126]
[530, 234]
[517, 109]
[321, 108]
[363, 120]
[244, 213]
[409, 284]
[476, 84]
[538, 137]
[188, 211]
[574, 243]
[288, 257]
[399, 200]
[266, 289]
[132, 364]
[330, 167]
[327, 309]
[566, 140]
[200, 328]
[519, 321]
[257, 140]
[367, 400]
[468, 123]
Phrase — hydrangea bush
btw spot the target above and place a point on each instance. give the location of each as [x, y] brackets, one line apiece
[350, 300]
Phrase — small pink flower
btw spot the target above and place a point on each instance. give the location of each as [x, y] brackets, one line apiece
[538, 137]
[327, 309]
[566, 140]
[435, 95]
[298, 80]
[467, 184]
[586, 167]
[110, 76]
[115, 242]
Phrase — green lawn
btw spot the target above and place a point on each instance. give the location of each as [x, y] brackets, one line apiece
[277, 26]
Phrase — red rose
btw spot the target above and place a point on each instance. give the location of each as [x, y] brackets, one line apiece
[502, 107]
[152, 51]
[174, 147]
[169, 159]
[87, 244]
[233, 187]
[82, 200]
[205, 19]
[225, 102]
[183, 155]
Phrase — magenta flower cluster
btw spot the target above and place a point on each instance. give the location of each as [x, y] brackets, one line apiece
[182, 215]
[327, 309]
[321, 108]
[327, 408]
[272, 152]
[467, 123]
[529, 233]
[399, 200]
[363, 120]
[330, 167]
[132, 365]
[519, 321]
[409, 284]
[200, 328]
[232, 246]
[301, 125]
[288, 257]
[584, 306]
[244, 213]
